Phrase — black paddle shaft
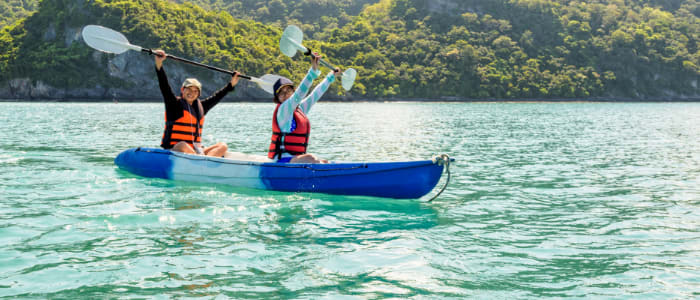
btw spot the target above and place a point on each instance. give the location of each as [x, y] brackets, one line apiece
[323, 62]
[149, 51]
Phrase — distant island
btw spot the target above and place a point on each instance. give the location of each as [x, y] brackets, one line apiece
[449, 50]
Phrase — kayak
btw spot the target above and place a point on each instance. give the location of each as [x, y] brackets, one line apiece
[410, 179]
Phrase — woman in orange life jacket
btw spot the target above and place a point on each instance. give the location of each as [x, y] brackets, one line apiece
[290, 126]
[184, 115]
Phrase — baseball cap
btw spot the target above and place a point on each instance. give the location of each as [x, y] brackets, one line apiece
[192, 82]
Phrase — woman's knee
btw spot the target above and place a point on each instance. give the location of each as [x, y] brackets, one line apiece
[182, 147]
[220, 148]
[306, 158]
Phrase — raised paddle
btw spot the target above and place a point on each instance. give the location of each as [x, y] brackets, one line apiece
[290, 43]
[110, 41]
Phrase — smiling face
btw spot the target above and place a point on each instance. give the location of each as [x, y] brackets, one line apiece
[189, 93]
[285, 92]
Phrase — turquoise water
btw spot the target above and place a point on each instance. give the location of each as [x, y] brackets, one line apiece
[564, 200]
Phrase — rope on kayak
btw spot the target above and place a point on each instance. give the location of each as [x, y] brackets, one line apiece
[443, 160]
[363, 166]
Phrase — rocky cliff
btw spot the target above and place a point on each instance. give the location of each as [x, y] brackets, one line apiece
[133, 69]
[45, 57]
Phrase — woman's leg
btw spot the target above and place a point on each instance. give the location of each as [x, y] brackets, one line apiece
[307, 159]
[217, 150]
[184, 148]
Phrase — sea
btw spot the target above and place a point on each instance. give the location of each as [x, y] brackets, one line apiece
[584, 200]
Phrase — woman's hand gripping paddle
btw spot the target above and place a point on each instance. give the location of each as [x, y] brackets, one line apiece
[290, 43]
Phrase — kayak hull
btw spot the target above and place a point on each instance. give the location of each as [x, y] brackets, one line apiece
[411, 179]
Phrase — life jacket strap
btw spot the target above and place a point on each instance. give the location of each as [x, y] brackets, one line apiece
[290, 134]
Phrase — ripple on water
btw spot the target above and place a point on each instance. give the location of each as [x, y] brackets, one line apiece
[569, 200]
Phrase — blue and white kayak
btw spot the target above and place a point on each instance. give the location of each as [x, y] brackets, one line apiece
[411, 179]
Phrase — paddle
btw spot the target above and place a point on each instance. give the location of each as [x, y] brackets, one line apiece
[110, 41]
[290, 43]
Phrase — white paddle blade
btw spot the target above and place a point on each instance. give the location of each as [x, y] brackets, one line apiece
[107, 40]
[267, 82]
[348, 78]
[290, 42]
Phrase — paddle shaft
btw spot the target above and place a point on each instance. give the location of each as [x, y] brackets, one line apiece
[308, 52]
[149, 51]
[323, 62]
[290, 44]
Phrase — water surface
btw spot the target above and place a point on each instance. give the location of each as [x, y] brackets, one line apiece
[565, 200]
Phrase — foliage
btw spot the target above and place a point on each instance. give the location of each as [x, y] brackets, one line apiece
[27, 50]
[523, 48]
[312, 16]
[13, 10]
[401, 48]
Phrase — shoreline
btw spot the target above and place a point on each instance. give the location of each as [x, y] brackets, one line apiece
[379, 100]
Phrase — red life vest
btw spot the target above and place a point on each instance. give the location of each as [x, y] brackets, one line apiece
[295, 142]
[187, 128]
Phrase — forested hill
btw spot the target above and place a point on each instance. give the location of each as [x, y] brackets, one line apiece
[13, 10]
[436, 49]
[524, 48]
[311, 16]
[44, 55]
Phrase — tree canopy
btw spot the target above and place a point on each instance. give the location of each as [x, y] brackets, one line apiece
[523, 48]
[505, 49]
[13, 10]
[311, 15]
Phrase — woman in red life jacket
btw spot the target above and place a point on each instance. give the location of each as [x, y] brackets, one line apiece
[290, 125]
[184, 115]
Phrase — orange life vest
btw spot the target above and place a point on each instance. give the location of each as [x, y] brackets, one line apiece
[187, 128]
[294, 142]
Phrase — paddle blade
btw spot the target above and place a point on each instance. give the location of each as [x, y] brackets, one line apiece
[267, 82]
[348, 78]
[290, 42]
[106, 40]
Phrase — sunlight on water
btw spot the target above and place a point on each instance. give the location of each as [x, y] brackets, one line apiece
[567, 200]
